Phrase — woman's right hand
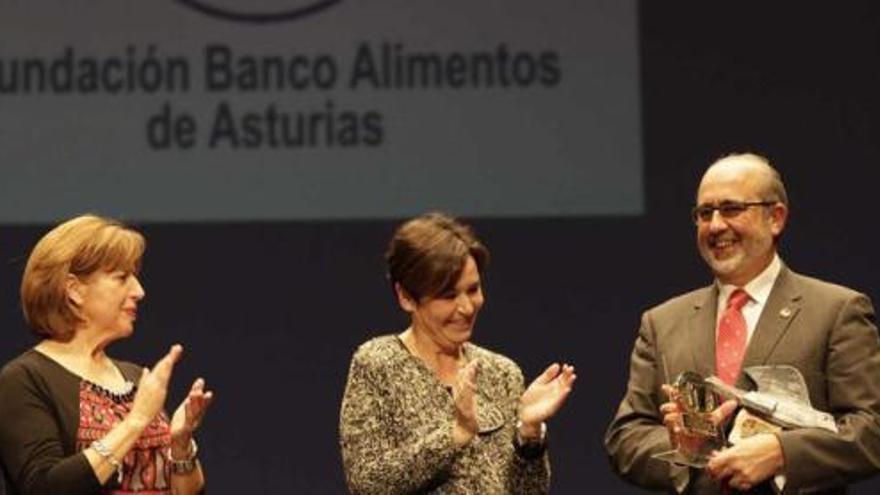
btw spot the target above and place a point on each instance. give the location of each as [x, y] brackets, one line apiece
[153, 388]
[465, 425]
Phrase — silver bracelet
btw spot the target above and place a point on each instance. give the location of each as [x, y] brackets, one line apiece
[102, 450]
[188, 465]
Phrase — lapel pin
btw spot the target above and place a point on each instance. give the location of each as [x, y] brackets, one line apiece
[785, 312]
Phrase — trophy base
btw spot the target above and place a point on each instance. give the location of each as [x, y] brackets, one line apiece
[677, 458]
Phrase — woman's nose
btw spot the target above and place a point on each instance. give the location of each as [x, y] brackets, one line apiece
[137, 289]
[464, 305]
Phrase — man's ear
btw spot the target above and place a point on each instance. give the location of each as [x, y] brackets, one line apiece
[404, 299]
[74, 289]
[778, 218]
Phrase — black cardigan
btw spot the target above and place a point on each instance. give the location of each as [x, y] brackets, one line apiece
[39, 418]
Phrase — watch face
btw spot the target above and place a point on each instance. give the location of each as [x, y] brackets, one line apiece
[183, 467]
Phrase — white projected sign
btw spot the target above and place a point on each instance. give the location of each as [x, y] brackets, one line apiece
[215, 110]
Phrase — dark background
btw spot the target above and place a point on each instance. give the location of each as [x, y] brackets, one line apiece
[270, 313]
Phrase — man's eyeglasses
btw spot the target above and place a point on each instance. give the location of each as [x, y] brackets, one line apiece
[728, 209]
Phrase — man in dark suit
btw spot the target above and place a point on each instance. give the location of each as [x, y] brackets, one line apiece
[826, 331]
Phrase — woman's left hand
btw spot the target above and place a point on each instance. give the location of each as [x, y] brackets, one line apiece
[546, 394]
[189, 415]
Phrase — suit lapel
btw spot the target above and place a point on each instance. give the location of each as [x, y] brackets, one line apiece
[701, 331]
[781, 309]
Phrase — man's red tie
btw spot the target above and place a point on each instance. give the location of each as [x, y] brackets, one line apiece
[730, 343]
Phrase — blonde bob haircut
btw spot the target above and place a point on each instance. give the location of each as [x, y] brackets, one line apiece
[80, 247]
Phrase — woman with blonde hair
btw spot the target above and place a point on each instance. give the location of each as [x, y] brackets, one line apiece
[73, 420]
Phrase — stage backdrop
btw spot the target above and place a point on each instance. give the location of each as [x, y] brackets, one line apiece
[280, 110]
[270, 303]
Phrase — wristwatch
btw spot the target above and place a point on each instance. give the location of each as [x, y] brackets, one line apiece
[188, 465]
[531, 442]
[530, 448]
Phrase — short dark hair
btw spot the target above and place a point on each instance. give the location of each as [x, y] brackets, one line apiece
[427, 254]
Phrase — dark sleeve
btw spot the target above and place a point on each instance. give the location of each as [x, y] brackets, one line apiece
[530, 474]
[815, 458]
[374, 461]
[637, 433]
[31, 445]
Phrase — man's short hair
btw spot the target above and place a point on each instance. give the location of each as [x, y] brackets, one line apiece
[774, 188]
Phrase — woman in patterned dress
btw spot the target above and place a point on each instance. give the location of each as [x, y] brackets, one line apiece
[73, 421]
[427, 411]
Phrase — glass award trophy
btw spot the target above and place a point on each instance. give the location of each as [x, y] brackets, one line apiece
[698, 436]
